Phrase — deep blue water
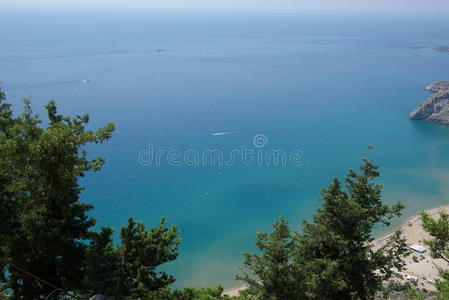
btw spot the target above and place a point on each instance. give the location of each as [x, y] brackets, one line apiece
[327, 85]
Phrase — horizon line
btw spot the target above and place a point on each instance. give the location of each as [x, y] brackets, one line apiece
[143, 9]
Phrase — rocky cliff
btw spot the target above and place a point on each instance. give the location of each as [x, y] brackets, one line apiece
[436, 107]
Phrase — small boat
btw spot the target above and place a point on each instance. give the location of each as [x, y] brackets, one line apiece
[220, 133]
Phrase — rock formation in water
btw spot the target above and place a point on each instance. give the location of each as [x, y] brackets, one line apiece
[436, 107]
[444, 49]
[439, 86]
[440, 48]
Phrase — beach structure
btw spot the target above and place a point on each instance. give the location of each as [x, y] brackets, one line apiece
[418, 248]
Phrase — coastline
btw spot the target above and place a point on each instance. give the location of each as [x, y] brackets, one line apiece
[425, 269]
[407, 226]
[419, 266]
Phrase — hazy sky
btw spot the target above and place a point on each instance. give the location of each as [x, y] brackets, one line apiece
[394, 6]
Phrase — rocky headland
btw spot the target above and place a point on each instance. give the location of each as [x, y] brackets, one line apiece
[436, 107]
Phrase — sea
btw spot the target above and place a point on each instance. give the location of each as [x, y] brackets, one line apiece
[227, 121]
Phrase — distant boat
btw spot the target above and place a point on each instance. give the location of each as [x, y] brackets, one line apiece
[85, 80]
[160, 50]
[221, 133]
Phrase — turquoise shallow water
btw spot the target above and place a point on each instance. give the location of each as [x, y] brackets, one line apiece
[327, 85]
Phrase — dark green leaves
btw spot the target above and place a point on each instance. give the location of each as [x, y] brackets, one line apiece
[45, 228]
[140, 253]
[271, 274]
[331, 258]
[439, 246]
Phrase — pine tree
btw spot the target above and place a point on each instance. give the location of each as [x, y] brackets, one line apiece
[101, 263]
[335, 253]
[270, 275]
[332, 257]
[44, 225]
[439, 246]
[140, 253]
[47, 243]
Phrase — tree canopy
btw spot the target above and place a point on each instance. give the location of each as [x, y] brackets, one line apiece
[48, 245]
[44, 225]
[332, 257]
[439, 246]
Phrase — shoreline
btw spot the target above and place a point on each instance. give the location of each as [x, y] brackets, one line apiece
[413, 233]
[407, 225]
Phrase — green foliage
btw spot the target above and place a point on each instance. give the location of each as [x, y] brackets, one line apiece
[271, 274]
[443, 284]
[332, 257]
[44, 225]
[439, 246]
[140, 253]
[47, 244]
[334, 250]
[101, 263]
[414, 294]
[129, 271]
[439, 230]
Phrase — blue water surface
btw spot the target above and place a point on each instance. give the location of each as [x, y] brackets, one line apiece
[326, 85]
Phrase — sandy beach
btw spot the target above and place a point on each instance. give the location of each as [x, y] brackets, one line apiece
[419, 265]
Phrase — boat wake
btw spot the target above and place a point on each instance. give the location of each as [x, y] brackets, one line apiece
[221, 133]
[46, 85]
